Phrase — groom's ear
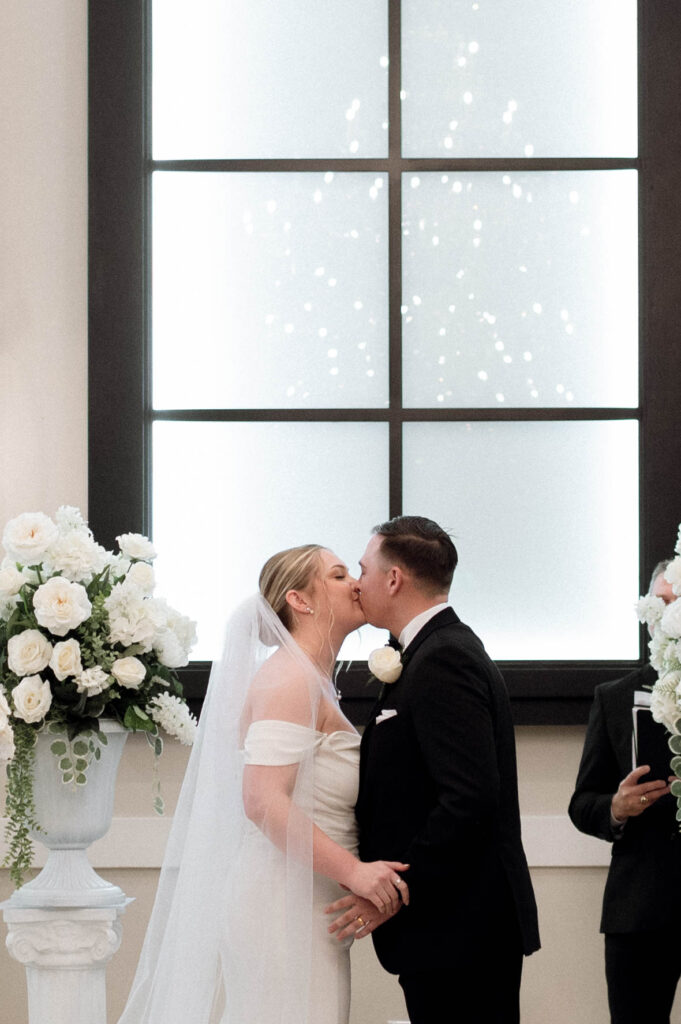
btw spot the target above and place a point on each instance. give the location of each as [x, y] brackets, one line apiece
[395, 580]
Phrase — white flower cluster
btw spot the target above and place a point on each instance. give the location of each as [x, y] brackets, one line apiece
[57, 580]
[147, 622]
[174, 716]
[664, 623]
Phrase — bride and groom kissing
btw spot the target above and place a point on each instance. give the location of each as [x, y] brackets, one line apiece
[291, 837]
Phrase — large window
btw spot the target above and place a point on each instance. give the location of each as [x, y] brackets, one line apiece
[411, 258]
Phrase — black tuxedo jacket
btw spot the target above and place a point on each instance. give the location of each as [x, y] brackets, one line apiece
[643, 889]
[438, 791]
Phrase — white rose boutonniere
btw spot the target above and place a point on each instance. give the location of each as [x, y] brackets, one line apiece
[386, 664]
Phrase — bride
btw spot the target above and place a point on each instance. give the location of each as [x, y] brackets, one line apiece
[264, 836]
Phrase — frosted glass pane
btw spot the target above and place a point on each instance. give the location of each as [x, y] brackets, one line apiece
[270, 290]
[536, 78]
[545, 520]
[520, 289]
[253, 78]
[228, 495]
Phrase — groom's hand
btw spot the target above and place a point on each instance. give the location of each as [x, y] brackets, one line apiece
[357, 917]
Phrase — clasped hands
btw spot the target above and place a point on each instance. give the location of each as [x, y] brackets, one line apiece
[633, 797]
[358, 916]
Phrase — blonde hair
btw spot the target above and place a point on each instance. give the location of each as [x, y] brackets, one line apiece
[292, 569]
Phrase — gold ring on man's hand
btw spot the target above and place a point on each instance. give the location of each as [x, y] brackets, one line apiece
[643, 800]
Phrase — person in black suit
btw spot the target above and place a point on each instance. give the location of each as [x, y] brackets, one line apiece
[630, 807]
[438, 790]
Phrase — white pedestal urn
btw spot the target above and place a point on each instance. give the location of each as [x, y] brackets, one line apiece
[72, 817]
[64, 926]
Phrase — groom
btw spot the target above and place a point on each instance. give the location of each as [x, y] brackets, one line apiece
[438, 790]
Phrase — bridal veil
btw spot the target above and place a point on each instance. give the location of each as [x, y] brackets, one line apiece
[229, 928]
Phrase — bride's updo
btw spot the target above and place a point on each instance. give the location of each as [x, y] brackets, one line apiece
[292, 569]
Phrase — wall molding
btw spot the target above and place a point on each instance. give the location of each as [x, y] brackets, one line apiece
[551, 841]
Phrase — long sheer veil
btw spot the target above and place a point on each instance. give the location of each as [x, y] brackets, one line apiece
[227, 926]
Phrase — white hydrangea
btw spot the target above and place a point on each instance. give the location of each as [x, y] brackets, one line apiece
[175, 637]
[132, 618]
[27, 537]
[173, 716]
[649, 609]
[670, 623]
[92, 681]
[77, 556]
[664, 704]
[69, 518]
[672, 574]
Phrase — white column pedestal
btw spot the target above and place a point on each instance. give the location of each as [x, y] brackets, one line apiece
[65, 952]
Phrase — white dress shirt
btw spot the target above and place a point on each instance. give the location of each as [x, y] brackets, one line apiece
[418, 622]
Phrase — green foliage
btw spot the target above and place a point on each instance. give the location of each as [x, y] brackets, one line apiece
[19, 805]
[675, 744]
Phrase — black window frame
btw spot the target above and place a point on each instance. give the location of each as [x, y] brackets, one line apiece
[120, 413]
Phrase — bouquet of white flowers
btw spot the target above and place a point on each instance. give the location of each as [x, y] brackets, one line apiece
[664, 624]
[81, 638]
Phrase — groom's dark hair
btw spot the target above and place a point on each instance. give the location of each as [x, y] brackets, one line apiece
[421, 547]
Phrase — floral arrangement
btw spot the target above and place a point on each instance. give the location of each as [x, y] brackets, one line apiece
[385, 663]
[81, 638]
[664, 624]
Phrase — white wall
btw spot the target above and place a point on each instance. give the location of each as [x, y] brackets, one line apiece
[43, 432]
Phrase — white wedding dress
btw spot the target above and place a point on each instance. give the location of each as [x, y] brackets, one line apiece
[255, 989]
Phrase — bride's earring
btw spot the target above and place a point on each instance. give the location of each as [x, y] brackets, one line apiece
[309, 610]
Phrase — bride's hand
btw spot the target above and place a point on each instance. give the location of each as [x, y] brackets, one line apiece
[379, 882]
[356, 919]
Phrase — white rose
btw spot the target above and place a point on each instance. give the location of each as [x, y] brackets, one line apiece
[143, 576]
[32, 699]
[129, 672]
[6, 741]
[92, 681]
[27, 538]
[65, 660]
[61, 605]
[135, 545]
[386, 664]
[670, 623]
[28, 652]
[11, 580]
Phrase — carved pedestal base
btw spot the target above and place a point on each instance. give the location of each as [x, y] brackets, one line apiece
[65, 953]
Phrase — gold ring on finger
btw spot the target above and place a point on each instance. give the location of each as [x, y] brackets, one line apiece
[361, 922]
[643, 800]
